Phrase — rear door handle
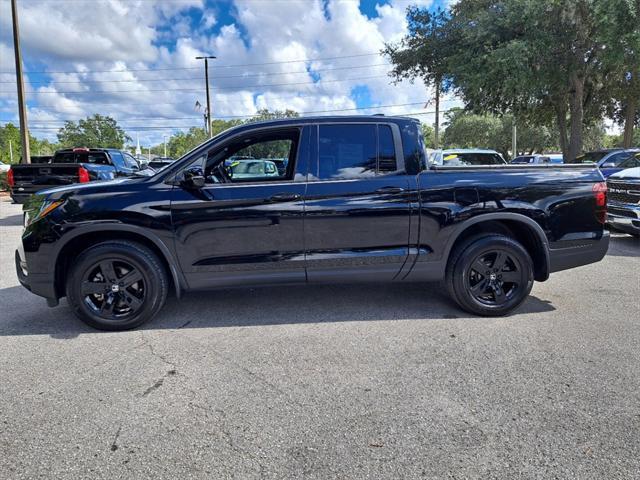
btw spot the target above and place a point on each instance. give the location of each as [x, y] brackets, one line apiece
[388, 190]
[284, 197]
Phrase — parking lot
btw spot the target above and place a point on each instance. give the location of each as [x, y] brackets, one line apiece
[373, 381]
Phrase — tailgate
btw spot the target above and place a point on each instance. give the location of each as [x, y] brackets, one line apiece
[47, 174]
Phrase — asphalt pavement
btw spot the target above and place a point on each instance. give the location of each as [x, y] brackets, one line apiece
[374, 381]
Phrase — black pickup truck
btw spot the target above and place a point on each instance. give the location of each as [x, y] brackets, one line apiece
[77, 165]
[356, 202]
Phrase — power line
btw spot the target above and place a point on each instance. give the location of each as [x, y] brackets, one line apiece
[166, 127]
[235, 87]
[197, 68]
[146, 119]
[217, 77]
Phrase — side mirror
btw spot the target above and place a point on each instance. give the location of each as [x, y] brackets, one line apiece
[193, 178]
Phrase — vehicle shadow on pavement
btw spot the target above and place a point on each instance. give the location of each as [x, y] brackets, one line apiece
[11, 221]
[623, 245]
[258, 307]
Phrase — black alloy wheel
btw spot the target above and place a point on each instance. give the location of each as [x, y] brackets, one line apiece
[489, 274]
[113, 289]
[494, 277]
[117, 285]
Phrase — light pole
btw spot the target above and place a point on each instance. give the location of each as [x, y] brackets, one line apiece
[164, 137]
[206, 80]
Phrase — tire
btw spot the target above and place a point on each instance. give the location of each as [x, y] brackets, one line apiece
[117, 285]
[489, 275]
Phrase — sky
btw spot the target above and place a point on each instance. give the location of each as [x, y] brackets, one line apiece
[135, 61]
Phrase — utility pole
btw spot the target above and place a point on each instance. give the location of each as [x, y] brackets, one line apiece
[436, 133]
[206, 80]
[10, 152]
[164, 137]
[22, 106]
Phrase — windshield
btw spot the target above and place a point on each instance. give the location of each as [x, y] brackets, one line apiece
[589, 157]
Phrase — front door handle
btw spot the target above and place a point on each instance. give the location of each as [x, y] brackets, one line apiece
[387, 190]
[285, 197]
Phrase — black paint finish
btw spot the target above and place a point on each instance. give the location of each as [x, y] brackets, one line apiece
[395, 226]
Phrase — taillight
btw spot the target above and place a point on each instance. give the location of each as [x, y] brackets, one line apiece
[600, 195]
[10, 180]
[83, 175]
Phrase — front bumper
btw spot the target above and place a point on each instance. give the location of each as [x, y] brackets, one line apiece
[582, 252]
[624, 217]
[41, 284]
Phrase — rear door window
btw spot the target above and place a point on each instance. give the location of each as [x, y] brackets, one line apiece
[347, 152]
[351, 151]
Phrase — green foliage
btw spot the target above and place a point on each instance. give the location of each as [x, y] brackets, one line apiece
[469, 130]
[4, 186]
[182, 142]
[97, 131]
[11, 133]
[542, 61]
[428, 135]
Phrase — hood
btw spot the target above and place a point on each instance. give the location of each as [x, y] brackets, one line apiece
[628, 173]
[76, 187]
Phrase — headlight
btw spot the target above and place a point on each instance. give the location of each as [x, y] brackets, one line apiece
[45, 209]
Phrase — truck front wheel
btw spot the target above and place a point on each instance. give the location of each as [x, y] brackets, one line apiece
[489, 274]
[117, 285]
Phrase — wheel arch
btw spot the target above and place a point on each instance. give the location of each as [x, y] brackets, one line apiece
[83, 238]
[517, 226]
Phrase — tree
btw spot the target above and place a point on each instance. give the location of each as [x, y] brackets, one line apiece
[180, 143]
[9, 133]
[538, 60]
[469, 130]
[620, 36]
[97, 131]
[423, 54]
[428, 135]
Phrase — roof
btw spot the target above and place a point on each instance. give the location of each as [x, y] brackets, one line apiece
[330, 119]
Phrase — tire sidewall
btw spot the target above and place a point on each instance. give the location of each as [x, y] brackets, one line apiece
[152, 281]
[463, 265]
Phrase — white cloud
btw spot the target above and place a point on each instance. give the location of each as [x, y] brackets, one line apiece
[120, 41]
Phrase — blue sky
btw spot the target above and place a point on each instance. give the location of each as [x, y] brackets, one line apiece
[135, 60]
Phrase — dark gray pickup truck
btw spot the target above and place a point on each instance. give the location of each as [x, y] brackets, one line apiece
[77, 165]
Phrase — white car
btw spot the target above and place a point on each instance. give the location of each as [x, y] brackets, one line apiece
[4, 167]
[465, 156]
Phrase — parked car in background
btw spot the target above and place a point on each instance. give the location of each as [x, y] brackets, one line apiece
[624, 199]
[4, 167]
[357, 203]
[466, 156]
[77, 165]
[608, 160]
[159, 163]
[258, 167]
[537, 159]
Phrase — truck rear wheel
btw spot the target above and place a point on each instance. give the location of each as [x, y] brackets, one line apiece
[117, 285]
[489, 275]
